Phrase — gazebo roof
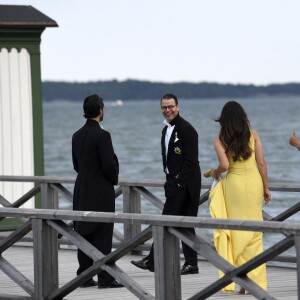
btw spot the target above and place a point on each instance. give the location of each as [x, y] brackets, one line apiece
[24, 16]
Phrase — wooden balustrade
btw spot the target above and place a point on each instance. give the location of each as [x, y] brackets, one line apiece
[49, 222]
[166, 232]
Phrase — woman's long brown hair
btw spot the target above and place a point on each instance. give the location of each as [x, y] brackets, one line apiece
[235, 131]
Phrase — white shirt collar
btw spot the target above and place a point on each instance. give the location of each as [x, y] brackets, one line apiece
[165, 122]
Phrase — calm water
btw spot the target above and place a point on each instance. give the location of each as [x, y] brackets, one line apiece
[136, 129]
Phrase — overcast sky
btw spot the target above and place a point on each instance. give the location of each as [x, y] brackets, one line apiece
[230, 41]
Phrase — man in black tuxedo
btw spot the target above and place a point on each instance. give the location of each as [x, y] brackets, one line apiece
[179, 144]
[97, 170]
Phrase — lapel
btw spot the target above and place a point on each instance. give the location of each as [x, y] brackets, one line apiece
[175, 133]
[171, 141]
[163, 147]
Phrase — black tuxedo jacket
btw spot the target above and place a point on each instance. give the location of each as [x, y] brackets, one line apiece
[182, 157]
[97, 166]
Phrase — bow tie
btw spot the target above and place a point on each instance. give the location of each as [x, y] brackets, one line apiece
[165, 122]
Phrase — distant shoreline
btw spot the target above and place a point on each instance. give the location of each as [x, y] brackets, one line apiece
[146, 90]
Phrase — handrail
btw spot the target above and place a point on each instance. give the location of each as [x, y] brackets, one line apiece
[141, 183]
[279, 187]
[153, 220]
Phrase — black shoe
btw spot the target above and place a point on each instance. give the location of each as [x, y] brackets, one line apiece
[144, 264]
[189, 269]
[89, 283]
[110, 284]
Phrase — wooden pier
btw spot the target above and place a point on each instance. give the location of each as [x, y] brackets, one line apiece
[282, 281]
[46, 270]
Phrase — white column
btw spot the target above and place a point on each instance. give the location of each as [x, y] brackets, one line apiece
[16, 132]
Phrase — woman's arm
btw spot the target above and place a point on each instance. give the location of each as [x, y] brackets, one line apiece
[261, 165]
[223, 160]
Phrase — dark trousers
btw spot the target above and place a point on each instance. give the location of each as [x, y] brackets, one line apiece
[179, 202]
[101, 238]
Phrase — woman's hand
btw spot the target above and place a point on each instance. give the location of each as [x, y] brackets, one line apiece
[294, 141]
[267, 196]
[214, 173]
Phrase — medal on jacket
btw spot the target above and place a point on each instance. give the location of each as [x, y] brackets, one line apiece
[177, 150]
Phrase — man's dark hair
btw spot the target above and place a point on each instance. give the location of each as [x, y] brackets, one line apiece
[92, 106]
[168, 97]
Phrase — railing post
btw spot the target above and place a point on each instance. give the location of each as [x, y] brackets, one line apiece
[166, 264]
[49, 197]
[297, 246]
[45, 254]
[131, 204]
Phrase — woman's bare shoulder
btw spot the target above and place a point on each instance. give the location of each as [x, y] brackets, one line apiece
[254, 133]
[217, 140]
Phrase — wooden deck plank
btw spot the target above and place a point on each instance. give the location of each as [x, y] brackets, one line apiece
[282, 281]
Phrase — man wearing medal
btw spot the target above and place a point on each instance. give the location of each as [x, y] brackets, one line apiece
[179, 144]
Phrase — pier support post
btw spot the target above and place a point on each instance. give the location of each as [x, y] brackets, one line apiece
[45, 254]
[297, 246]
[131, 204]
[166, 264]
[49, 197]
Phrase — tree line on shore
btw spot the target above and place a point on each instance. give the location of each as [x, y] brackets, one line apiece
[140, 90]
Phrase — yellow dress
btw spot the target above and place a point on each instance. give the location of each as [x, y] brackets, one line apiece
[239, 195]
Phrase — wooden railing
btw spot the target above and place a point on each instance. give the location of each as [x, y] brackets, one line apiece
[133, 192]
[49, 222]
[166, 232]
[52, 188]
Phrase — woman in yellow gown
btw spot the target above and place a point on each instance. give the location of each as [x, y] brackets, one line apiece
[239, 194]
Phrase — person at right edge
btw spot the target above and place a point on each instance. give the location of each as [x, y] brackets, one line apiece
[241, 193]
[179, 144]
[294, 141]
